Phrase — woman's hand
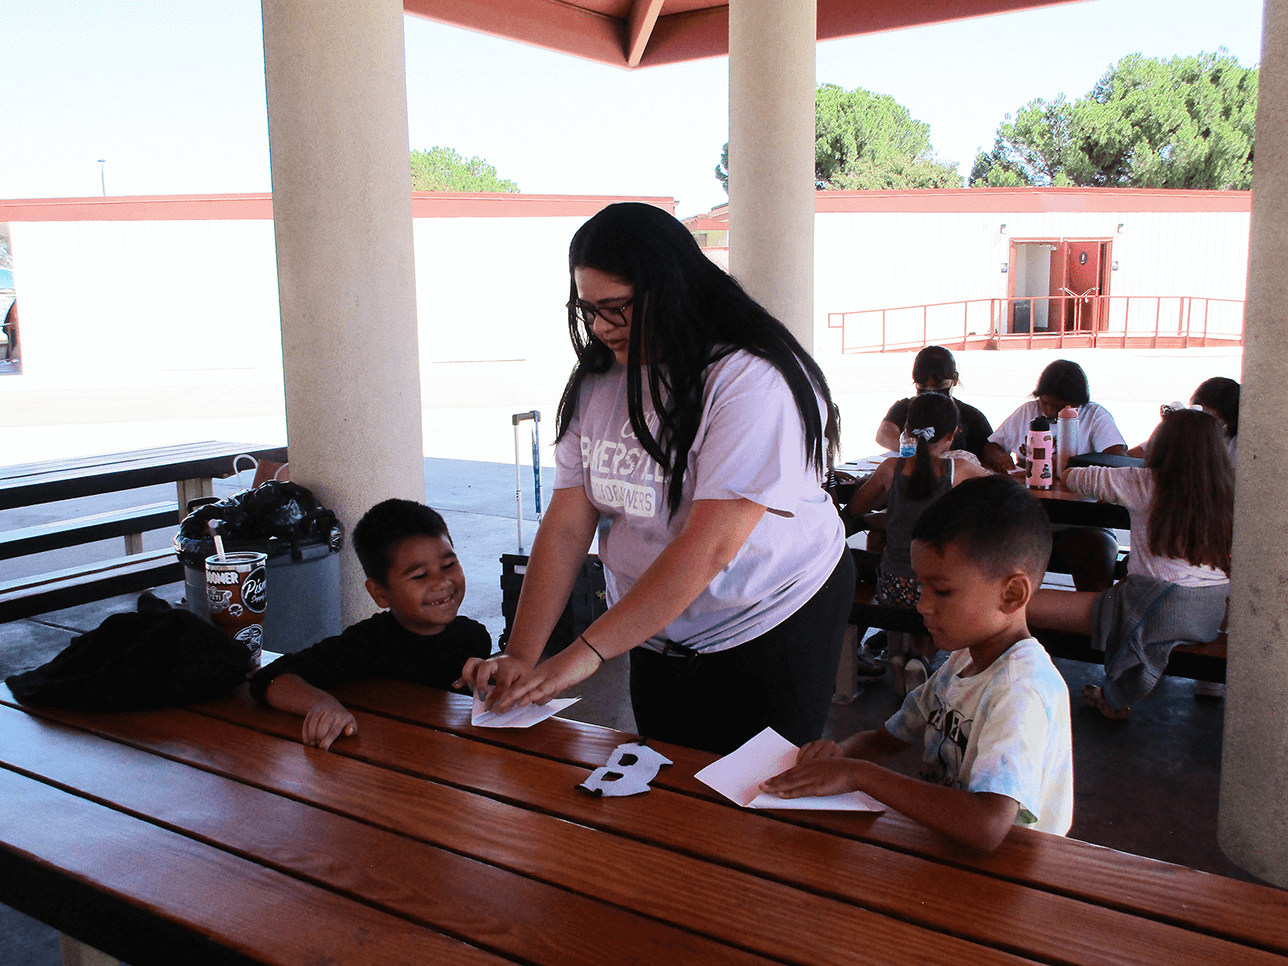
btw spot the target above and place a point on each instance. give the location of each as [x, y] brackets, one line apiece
[550, 678]
[489, 676]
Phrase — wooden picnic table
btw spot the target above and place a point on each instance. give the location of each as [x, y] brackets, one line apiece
[1063, 505]
[211, 835]
[192, 467]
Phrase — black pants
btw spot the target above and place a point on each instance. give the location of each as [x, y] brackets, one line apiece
[783, 679]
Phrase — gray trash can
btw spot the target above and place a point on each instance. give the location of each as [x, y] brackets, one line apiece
[302, 541]
[303, 596]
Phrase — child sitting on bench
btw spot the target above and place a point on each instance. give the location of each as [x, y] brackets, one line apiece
[412, 569]
[1178, 574]
[994, 718]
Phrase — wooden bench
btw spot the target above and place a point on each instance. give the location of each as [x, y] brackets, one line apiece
[1202, 662]
[191, 467]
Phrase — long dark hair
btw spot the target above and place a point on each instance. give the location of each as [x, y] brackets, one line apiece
[929, 411]
[687, 313]
[1192, 518]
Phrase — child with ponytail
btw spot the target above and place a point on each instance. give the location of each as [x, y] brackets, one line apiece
[1178, 575]
[907, 486]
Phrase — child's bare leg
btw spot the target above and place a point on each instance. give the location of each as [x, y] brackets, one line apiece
[1062, 610]
[1091, 554]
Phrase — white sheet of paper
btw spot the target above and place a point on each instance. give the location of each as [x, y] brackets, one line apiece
[517, 717]
[737, 776]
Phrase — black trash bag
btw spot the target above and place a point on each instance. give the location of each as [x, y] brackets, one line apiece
[273, 518]
[160, 657]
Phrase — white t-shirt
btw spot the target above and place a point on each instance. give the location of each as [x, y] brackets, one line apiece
[1005, 730]
[1096, 429]
[1133, 487]
[750, 444]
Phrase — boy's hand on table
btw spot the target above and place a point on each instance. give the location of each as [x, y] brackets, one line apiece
[326, 721]
[818, 776]
[819, 749]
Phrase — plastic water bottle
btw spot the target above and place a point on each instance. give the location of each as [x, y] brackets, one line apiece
[1066, 438]
[907, 443]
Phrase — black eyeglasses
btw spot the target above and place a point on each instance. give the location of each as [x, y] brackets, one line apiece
[615, 316]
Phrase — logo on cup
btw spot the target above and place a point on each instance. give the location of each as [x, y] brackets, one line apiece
[252, 635]
[255, 590]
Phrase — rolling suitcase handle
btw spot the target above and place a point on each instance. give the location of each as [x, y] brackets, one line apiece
[515, 420]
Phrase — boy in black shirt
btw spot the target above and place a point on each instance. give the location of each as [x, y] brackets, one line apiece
[412, 570]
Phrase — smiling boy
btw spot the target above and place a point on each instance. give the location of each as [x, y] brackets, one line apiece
[412, 571]
[994, 719]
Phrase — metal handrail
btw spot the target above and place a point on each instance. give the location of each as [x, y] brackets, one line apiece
[1115, 321]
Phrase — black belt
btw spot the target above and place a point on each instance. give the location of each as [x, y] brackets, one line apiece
[674, 649]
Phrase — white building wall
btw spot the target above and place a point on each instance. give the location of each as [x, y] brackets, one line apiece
[113, 302]
[139, 297]
[493, 288]
[883, 260]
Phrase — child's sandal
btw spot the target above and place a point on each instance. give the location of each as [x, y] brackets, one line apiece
[1095, 697]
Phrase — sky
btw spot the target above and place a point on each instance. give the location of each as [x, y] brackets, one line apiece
[170, 93]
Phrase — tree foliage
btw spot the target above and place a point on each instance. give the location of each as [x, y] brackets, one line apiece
[442, 169]
[866, 140]
[1187, 122]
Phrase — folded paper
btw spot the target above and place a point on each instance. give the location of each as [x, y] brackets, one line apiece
[517, 717]
[737, 776]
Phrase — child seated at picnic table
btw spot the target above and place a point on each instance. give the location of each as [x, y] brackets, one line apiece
[1089, 554]
[935, 370]
[993, 720]
[413, 571]
[1177, 584]
[906, 486]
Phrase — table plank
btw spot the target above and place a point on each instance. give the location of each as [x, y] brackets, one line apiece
[1005, 914]
[160, 898]
[28, 484]
[484, 905]
[1243, 911]
[657, 882]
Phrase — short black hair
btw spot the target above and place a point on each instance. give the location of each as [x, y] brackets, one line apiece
[1064, 379]
[994, 522]
[387, 524]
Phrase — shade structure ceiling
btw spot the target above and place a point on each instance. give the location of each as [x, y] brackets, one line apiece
[649, 33]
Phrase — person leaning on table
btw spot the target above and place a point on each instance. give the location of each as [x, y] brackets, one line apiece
[697, 427]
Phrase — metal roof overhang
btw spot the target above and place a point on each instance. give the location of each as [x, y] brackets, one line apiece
[649, 33]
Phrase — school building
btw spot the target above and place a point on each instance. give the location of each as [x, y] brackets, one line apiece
[1022, 267]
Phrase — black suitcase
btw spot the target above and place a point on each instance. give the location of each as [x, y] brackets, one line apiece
[589, 595]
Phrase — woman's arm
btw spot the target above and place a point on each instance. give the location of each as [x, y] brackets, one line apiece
[558, 551]
[996, 458]
[888, 435]
[710, 538]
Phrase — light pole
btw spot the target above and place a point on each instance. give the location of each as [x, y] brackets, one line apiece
[102, 174]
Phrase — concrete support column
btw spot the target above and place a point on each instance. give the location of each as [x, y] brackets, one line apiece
[337, 120]
[1254, 768]
[771, 156]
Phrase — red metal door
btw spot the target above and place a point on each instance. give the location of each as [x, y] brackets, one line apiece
[1083, 283]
